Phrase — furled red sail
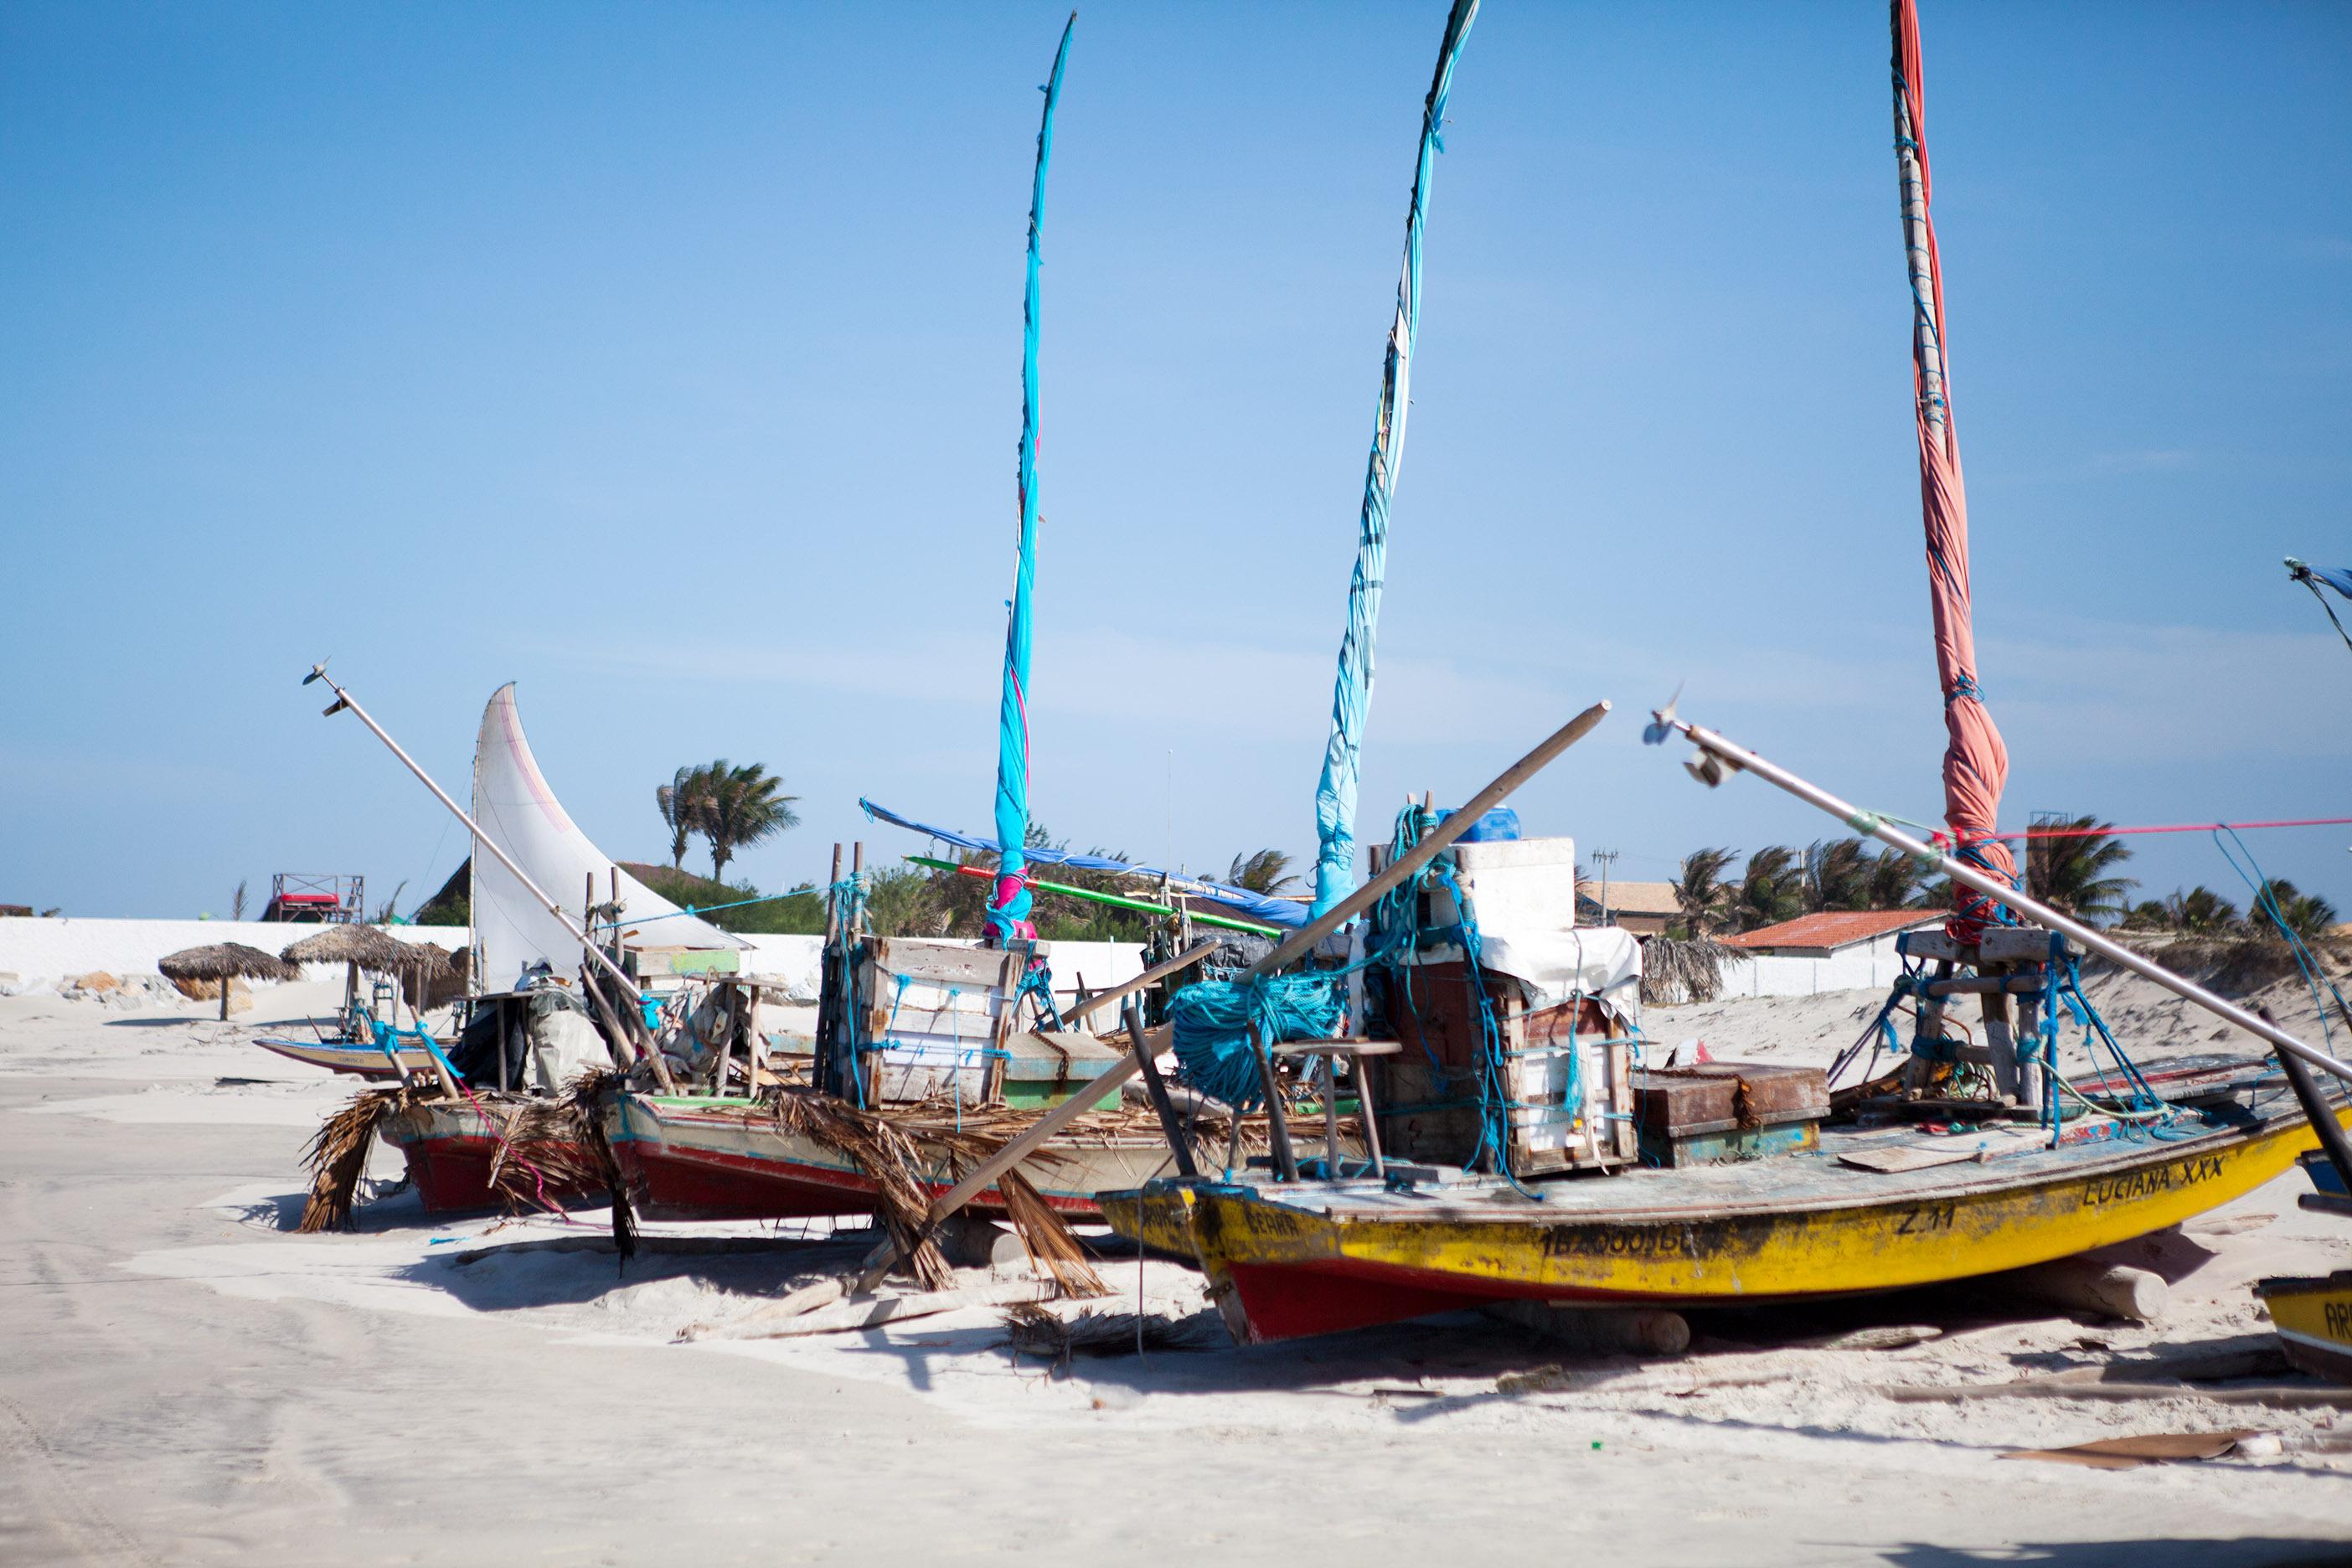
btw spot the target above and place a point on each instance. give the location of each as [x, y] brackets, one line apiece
[1976, 762]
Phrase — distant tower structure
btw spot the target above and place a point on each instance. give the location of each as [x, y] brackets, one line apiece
[329, 898]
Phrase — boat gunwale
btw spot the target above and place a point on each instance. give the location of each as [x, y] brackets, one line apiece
[1532, 1215]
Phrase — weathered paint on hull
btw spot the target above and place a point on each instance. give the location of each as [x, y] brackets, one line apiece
[686, 1158]
[449, 1151]
[1290, 1270]
[360, 1061]
[2314, 1320]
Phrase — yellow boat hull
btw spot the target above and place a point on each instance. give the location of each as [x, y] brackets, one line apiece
[2314, 1320]
[1296, 1259]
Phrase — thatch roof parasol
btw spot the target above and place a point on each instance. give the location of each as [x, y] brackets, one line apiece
[365, 946]
[225, 962]
[359, 947]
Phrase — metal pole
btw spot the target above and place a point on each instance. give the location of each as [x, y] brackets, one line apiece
[481, 842]
[1875, 826]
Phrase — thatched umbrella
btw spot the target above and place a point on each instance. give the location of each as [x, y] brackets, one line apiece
[225, 962]
[362, 947]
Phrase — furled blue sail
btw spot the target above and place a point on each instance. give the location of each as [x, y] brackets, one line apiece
[1258, 906]
[2337, 577]
[1008, 902]
[1351, 696]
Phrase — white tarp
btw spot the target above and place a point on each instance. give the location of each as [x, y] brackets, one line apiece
[1524, 891]
[520, 814]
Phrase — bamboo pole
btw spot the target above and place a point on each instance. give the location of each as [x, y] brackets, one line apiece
[1872, 825]
[481, 841]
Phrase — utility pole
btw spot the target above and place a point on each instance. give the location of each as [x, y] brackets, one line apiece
[1604, 859]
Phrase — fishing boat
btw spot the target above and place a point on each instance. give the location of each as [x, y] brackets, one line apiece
[1754, 1183]
[368, 1040]
[474, 1116]
[353, 1057]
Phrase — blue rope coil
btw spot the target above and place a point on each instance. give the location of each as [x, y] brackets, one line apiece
[1213, 1019]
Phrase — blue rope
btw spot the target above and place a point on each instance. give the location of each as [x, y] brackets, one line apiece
[2267, 902]
[1213, 1022]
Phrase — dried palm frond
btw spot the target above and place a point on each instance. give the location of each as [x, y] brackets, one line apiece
[887, 1157]
[560, 1144]
[1046, 1239]
[1034, 1331]
[337, 1156]
[1675, 971]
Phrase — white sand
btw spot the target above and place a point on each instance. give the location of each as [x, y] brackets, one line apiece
[187, 1380]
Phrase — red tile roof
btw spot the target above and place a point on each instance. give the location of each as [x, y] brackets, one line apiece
[1834, 928]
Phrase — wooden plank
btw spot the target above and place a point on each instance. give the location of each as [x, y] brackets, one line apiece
[941, 963]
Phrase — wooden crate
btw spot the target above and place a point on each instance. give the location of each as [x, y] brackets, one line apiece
[1715, 1112]
[1429, 1092]
[932, 1018]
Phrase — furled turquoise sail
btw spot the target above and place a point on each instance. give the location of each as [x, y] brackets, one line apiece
[1008, 904]
[1351, 698]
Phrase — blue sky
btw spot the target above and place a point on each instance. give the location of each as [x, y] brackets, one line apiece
[664, 359]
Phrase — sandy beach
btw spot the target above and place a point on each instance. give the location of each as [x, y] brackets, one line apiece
[190, 1381]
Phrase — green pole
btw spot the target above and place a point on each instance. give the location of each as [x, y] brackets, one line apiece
[1115, 900]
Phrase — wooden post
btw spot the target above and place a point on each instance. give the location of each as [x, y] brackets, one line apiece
[833, 900]
[1179, 1144]
[1277, 1124]
[857, 873]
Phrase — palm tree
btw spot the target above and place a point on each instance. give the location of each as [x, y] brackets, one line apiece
[742, 807]
[1770, 889]
[1267, 871]
[2200, 910]
[1896, 879]
[683, 802]
[2071, 871]
[2307, 915]
[1701, 893]
[1837, 874]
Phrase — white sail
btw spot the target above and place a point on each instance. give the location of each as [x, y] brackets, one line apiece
[518, 811]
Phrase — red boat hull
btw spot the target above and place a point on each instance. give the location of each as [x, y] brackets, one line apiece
[451, 1172]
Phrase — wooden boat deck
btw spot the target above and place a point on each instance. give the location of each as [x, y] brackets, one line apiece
[2244, 1095]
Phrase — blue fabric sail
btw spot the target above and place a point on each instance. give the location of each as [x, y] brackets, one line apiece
[2338, 578]
[1258, 906]
[1009, 903]
[1351, 696]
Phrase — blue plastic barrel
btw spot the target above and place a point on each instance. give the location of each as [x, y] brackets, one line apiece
[1499, 826]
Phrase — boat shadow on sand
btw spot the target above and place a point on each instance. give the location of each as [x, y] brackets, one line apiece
[2242, 1552]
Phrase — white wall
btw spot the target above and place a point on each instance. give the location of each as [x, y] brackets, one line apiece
[1864, 965]
[36, 950]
